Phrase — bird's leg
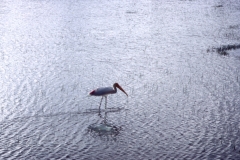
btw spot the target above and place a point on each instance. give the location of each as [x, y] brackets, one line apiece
[100, 103]
[105, 102]
[105, 118]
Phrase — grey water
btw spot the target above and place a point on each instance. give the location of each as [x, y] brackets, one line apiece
[183, 92]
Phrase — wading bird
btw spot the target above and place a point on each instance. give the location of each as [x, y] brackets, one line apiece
[105, 91]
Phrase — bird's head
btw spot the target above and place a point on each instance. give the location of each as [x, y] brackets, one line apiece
[119, 87]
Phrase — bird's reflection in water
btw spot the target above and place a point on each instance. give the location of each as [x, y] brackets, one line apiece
[105, 128]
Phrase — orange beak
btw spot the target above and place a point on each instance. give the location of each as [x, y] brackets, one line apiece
[118, 86]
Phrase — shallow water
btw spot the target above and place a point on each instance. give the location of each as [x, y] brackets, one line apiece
[183, 95]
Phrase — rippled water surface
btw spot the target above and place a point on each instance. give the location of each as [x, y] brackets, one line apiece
[179, 62]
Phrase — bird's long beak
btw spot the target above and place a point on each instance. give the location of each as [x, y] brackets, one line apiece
[118, 86]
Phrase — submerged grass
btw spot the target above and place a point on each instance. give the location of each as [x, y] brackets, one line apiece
[222, 50]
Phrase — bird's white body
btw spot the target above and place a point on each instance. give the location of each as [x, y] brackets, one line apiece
[103, 91]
